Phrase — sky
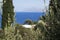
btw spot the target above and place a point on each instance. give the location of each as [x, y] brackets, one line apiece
[29, 5]
[0, 3]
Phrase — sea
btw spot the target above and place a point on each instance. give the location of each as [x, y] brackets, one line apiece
[20, 17]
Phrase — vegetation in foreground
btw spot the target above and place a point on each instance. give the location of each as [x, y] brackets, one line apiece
[21, 33]
[48, 28]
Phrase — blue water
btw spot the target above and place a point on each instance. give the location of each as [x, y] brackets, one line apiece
[22, 16]
[0, 19]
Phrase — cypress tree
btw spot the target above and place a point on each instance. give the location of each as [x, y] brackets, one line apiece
[8, 13]
[54, 20]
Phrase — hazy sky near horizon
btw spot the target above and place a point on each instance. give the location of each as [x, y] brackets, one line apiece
[30, 5]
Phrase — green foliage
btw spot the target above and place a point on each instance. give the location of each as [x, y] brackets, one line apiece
[47, 29]
[28, 21]
[52, 21]
[20, 33]
[7, 14]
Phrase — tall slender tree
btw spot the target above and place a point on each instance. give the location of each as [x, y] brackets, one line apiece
[8, 13]
[54, 20]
